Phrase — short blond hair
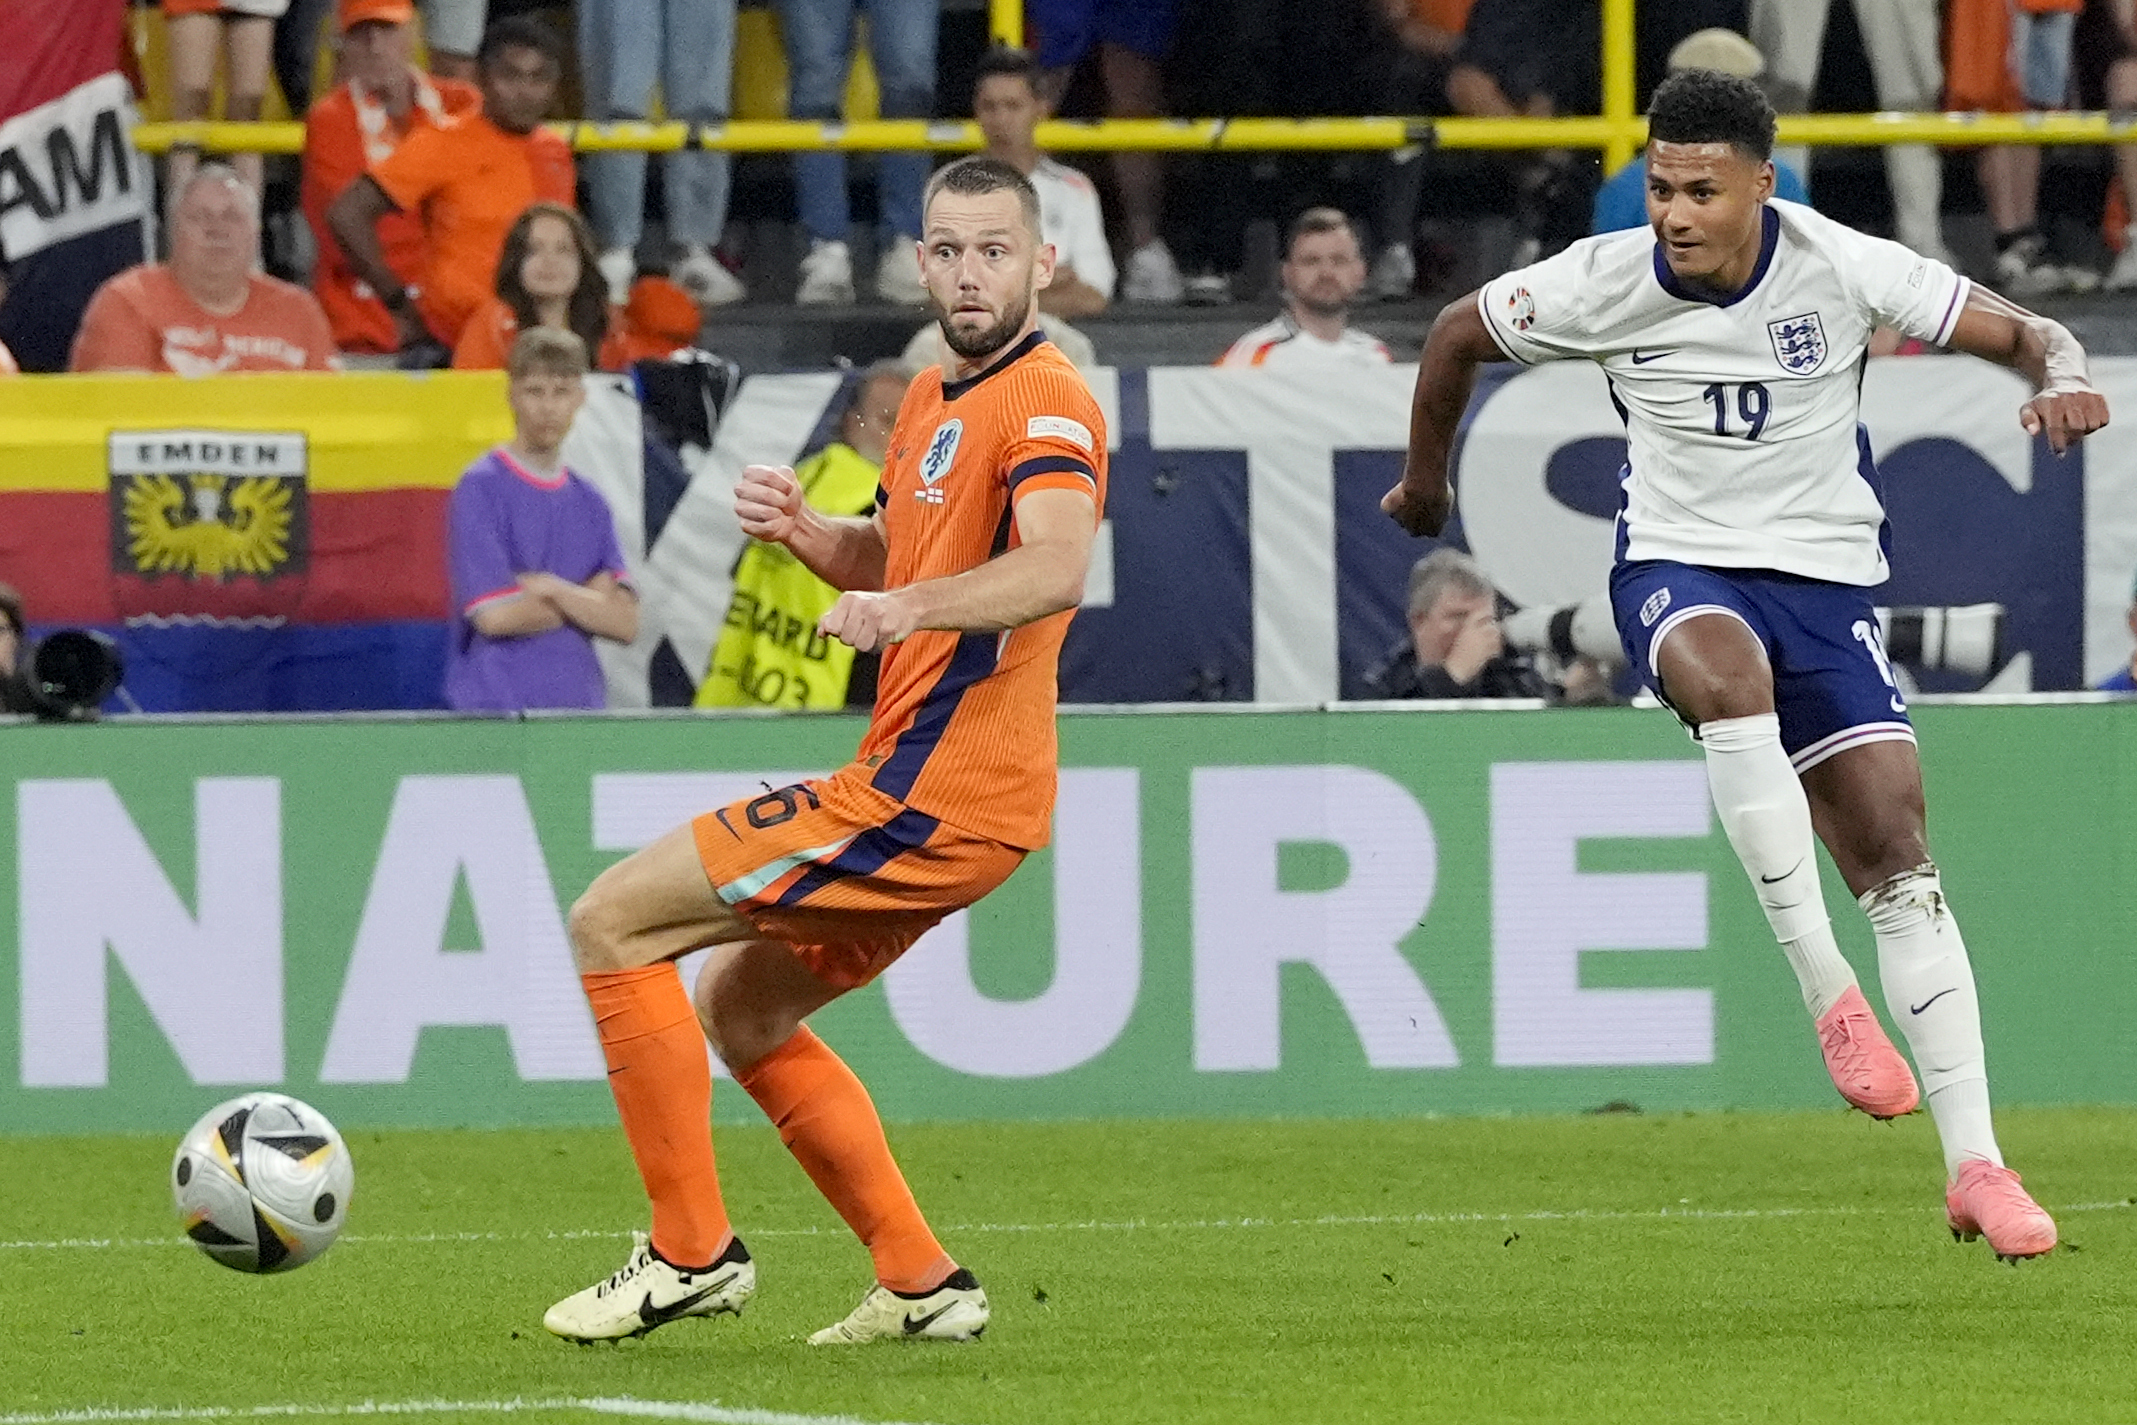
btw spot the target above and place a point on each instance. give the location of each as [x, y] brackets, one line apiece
[546, 351]
[1443, 569]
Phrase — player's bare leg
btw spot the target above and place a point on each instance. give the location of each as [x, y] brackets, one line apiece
[751, 999]
[1715, 674]
[626, 930]
[1868, 807]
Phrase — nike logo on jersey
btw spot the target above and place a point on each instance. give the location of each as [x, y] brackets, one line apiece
[1774, 880]
[1640, 358]
[1918, 1008]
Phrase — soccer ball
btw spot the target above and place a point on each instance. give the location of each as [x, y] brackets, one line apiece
[262, 1183]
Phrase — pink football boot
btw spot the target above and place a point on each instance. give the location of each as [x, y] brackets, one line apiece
[1987, 1201]
[1867, 1070]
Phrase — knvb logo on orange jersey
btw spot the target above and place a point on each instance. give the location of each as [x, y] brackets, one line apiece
[941, 455]
[209, 526]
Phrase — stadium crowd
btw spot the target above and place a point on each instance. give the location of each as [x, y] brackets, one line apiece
[412, 175]
[432, 219]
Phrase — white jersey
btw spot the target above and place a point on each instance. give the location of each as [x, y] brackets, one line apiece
[1284, 345]
[1741, 413]
[1070, 219]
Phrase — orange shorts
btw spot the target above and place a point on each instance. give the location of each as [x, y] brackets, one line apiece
[848, 876]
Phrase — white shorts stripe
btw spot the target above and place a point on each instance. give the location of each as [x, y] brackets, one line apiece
[1654, 642]
[742, 888]
[1859, 735]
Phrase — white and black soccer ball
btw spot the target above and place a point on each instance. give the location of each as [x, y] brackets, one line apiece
[262, 1183]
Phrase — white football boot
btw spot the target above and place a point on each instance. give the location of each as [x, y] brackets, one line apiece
[649, 1291]
[954, 1311]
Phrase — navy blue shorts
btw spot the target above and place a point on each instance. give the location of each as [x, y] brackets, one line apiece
[1832, 684]
[1066, 30]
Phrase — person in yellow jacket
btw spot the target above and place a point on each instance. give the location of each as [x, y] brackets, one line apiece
[769, 653]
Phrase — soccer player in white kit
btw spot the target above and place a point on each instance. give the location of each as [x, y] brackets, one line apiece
[1751, 530]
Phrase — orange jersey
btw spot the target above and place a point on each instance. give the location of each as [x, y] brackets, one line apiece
[342, 136]
[964, 723]
[470, 180]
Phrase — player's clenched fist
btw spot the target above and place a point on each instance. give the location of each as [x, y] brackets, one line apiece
[1419, 513]
[2065, 417]
[768, 502]
[867, 621]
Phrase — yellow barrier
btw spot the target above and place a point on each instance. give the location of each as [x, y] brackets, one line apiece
[1617, 85]
[1005, 21]
[1614, 136]
[1618, 131]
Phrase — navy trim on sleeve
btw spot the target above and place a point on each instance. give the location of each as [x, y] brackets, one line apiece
[1051, 465]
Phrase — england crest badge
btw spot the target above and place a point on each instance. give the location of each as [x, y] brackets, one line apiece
[1798, 343]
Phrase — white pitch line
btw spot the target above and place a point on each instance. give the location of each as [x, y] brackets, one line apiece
[703, 1413]
[1209, 1224]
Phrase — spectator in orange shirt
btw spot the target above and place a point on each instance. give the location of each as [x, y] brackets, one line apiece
[206, 311]
[548, 276]
[361, 122]
[469, 180]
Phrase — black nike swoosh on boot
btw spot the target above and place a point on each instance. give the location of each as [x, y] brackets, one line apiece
[653, 1315]
[1918, 1008]
[914, 1325]
[1774, 880]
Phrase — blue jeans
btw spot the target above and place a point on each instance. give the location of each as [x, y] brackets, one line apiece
[818, 35]
[690, 46]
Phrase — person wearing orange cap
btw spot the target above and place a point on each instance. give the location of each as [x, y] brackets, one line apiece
[382, 99]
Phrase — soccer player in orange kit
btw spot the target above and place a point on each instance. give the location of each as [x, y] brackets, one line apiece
[965, 577]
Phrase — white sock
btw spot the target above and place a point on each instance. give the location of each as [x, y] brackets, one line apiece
[1763, 809]
[1929, 992]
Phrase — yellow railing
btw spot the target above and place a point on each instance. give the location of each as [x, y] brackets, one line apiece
[1622, 135]
[1618, 131]
[1005, 21]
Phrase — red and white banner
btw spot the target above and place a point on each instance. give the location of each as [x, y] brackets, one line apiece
[74, 193]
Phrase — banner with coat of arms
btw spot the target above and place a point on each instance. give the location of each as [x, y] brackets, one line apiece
[273, 542]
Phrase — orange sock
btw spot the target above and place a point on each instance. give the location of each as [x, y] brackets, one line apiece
[830, 1126]
[663, 1087]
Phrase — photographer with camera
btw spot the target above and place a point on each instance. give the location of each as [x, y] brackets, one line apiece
[14, 689]
[1456, 648]
[65, 677]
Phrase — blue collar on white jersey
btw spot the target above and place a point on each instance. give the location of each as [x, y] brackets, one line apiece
[1769, 239]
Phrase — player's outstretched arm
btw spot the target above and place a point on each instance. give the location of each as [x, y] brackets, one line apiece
[2065, 407]
[846, 553]
[1042, 575]
[1446, 373]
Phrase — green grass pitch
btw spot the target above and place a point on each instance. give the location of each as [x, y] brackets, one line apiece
[1610, 1268]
